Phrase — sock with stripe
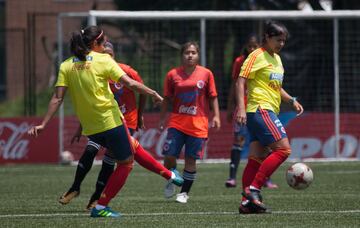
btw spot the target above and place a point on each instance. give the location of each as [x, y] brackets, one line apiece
[147, 161]
[115, 183]
[83, 167]
[235, 160]
[189, 178]
[268, 166]
[107, 169]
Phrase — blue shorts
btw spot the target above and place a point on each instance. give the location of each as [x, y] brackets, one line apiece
[175, 140]
[265, 127]
[116, 140]
[240, 130]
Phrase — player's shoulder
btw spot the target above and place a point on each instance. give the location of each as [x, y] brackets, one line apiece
[203, 69]
[240, 59]
[257, 53]
[174, 71]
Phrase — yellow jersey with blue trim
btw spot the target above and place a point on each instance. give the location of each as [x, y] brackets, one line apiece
[265, 75]
[88, 84]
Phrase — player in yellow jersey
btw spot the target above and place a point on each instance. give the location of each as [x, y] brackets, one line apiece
[86, 76]
[263, 73]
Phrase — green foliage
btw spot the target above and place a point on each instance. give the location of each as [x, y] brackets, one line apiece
[16, 107]
[29, 198]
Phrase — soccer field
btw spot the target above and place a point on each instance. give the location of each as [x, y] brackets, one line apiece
[30, 192]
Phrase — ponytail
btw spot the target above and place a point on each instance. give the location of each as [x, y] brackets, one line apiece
[80, 42]
[77, 46]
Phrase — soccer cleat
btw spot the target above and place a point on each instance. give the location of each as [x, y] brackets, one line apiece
[255, 199]
[105, 213]
[91, 204]
[269, 184]
[68, 196]
[246, 207]
[177, 180]
[230, 183]
[169, 190]
[182, 197]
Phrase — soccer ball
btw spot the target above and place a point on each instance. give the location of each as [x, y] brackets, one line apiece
[299, 176]
[66, 157]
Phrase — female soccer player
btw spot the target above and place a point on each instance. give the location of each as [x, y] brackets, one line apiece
[263, 74]
[86, 75]
[134, 119]
[190, 88]
[240, 131]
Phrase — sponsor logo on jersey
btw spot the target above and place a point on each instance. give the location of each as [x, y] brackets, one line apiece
[191, 110]
[188, 97]
[276, 76]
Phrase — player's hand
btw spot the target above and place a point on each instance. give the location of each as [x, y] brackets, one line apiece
[35, 130]
[298, 108]
[215, 123]
[140, 123]
[157, 99]
[76, 138]
[240, 116]
[161, 125]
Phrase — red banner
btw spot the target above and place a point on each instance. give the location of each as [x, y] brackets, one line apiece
[311, 136]
[17, 147]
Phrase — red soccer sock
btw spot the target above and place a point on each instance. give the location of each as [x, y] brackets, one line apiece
[115, 183]
[147, 161]
[250, 171]
[269, 165]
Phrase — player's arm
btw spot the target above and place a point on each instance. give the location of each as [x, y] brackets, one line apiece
[140, 88]
[163, 111]
[240, 102]
[214, 103]
[77, 135]
[141, 106]
[292, 101]
[53, 106]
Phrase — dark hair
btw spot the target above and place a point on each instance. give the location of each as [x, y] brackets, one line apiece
[188, 44]
[80, 42]
[274, 28]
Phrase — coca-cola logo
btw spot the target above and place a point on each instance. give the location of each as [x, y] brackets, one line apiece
[12, 144]
[152, 138]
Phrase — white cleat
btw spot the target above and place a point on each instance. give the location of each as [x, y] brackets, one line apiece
[182, 197]
[169, 190]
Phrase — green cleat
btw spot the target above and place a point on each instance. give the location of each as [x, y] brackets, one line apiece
[104, 213]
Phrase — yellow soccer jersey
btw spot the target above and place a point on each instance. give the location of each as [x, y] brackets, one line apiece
[265, 75]
[88, 84]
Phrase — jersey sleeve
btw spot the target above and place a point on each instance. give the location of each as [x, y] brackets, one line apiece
[168, 86]
[113, 70]
[212, 87]
[252, 64]
[62, 79]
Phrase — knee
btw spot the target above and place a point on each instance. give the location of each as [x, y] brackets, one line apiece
[286, 151]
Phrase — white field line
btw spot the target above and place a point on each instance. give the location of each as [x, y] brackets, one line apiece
[176, 213]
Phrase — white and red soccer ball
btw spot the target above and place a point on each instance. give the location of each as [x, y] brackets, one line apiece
[299, 176]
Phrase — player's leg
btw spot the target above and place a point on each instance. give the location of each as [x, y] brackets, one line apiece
[107, 168]
[271, 133]
[236, 150]
[194, 149]
[118, 141]
[146, 160]
[171, 150]
[83, 167]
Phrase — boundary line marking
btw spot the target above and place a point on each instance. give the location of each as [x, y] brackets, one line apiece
[177, 213]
